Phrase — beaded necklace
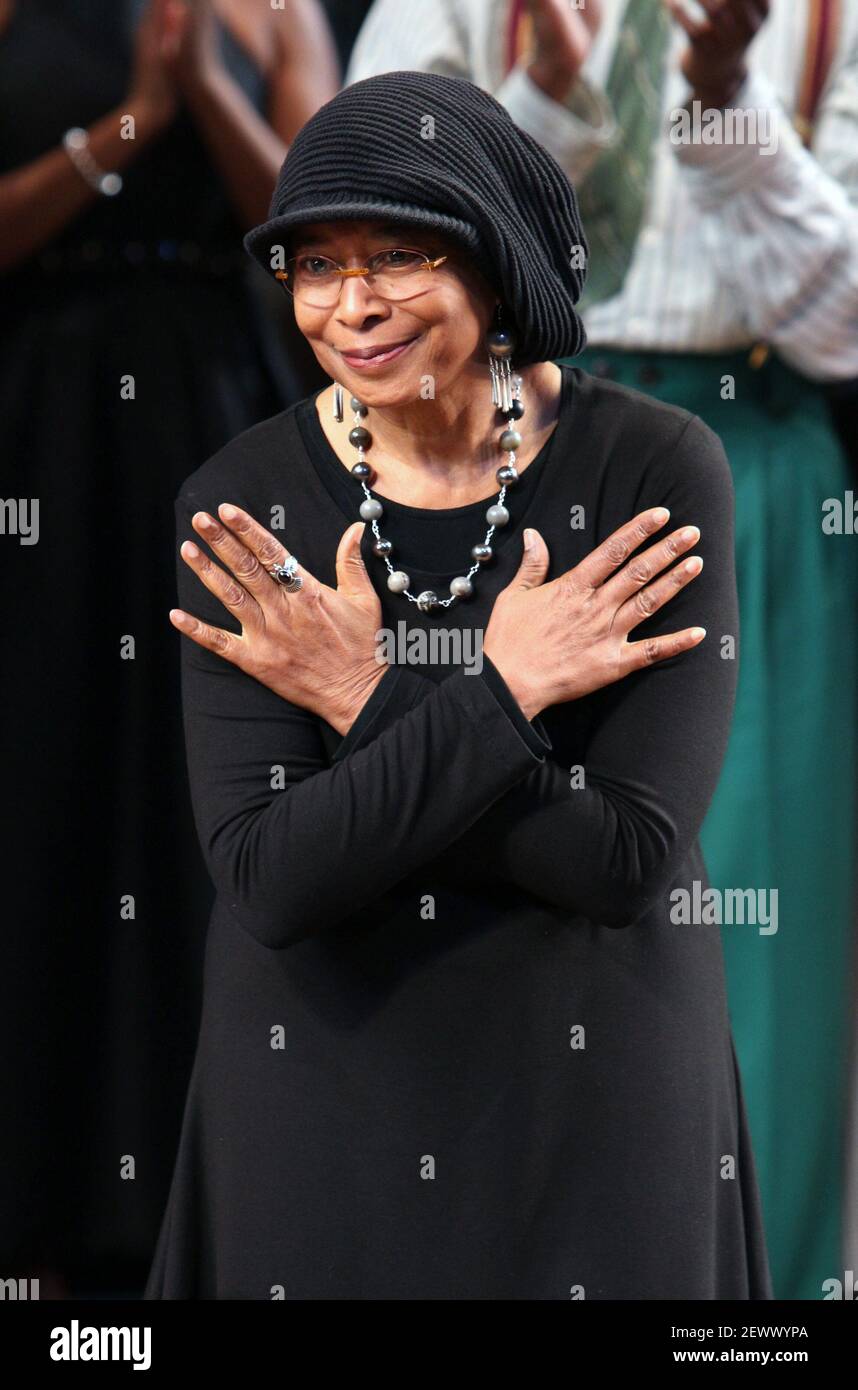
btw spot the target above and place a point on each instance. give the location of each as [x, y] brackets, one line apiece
[497, 515]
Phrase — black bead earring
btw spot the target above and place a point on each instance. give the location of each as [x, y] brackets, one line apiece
[500, 343]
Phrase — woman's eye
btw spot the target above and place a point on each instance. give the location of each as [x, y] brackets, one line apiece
[313, 265]
[396, 259]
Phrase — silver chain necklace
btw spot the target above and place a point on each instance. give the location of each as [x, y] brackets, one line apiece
[508, 401]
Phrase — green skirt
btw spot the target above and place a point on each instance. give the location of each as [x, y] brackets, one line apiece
[784, 813]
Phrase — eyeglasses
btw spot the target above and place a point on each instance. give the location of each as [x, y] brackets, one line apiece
[396, 273]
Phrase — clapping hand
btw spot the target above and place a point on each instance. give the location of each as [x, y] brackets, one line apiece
[190, 42]
[714, 62]
[563, 35]
[152, 92]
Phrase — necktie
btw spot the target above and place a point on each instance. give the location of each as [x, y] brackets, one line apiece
[611, 197]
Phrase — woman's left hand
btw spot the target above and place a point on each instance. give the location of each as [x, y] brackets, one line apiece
[316, 647]
[190, 42]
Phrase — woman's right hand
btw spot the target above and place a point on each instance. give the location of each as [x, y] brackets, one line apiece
[153, 88]
[556, 642]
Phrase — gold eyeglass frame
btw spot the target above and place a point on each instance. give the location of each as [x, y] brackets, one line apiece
[344, 271]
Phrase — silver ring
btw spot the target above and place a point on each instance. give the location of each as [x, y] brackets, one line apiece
[286, 575]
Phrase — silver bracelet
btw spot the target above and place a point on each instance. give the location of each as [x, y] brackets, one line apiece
[76, 146]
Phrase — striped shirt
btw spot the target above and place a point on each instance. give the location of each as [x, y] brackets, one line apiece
[736, 244]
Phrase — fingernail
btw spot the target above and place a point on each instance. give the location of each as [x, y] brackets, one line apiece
[190, 549]
[227, 511]
[528, 538]
[698, 632]
[660, 515]
[689, 533]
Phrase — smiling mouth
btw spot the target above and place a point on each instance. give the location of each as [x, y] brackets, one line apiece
[363, 358]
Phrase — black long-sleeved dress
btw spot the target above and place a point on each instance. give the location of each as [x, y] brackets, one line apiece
[453, 1044]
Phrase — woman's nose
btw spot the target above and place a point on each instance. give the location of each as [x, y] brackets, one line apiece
[357, 300]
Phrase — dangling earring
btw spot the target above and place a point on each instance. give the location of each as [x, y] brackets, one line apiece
[338, 402]
[501, 344]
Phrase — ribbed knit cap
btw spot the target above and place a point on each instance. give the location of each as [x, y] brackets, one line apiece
[439, 152]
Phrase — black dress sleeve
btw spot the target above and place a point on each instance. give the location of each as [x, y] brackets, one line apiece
[295, 843]
[401, 688]
[608, 849]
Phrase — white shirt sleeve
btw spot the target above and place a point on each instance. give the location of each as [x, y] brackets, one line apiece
[787, 223]
[575, 132]
[399, 35]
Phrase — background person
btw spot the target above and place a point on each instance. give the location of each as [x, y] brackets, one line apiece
[130, 349]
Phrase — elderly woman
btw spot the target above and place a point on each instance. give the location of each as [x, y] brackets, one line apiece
[464, 1032]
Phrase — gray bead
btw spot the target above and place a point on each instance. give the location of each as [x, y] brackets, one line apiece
[482, 554]
[428, 601]
[461, 587]
[371, 509]
[495, 516]
[510, 439]
[382, 547]
[360, 437]
[356, 405]
[361, 470]
[398, 582]
[506, 475]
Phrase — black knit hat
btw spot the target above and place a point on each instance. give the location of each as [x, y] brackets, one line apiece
[437, 151]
